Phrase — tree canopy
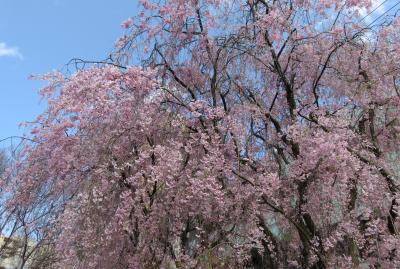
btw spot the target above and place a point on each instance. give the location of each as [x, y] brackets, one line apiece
[223, 134]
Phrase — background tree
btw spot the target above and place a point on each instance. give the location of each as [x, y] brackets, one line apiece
[254, 133]
[24, 241]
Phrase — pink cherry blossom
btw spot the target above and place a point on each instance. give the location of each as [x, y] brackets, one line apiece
[251, 134]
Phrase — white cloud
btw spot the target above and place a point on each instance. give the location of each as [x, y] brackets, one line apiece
[7, 51]
[379, 5]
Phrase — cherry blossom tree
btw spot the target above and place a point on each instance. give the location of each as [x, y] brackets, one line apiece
[225, 134]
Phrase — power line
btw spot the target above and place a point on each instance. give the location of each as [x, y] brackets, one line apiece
[373, 10]
[383, 14]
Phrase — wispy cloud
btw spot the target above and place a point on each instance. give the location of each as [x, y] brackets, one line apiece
[7, 51]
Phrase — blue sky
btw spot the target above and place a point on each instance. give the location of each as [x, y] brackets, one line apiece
[38, 36]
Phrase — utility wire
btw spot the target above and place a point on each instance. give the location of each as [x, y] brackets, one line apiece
[383, 14]
[372, 11]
